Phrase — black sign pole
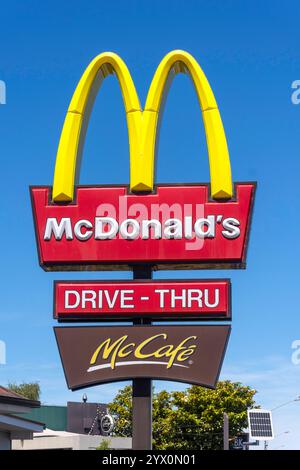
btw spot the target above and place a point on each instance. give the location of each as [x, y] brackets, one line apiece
[142, 388]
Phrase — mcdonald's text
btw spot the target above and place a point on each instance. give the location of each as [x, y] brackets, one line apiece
[107, 228]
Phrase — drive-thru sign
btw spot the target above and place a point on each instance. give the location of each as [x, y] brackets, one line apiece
[126, 300]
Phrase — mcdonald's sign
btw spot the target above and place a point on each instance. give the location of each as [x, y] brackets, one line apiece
[165, 226]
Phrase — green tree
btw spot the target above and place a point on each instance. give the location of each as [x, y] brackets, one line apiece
[122, 409]
[30, 390]
[104, 445]
[192, 419]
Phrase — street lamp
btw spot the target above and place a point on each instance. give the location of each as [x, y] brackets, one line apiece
[280, 406]
[84, 398]
[284, 432]
[286, 403]
[277, 435]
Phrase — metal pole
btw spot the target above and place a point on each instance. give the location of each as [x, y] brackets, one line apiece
[142, 389]
[226, 432]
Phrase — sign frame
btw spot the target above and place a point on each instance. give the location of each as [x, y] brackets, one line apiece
[132, 316]
[180, 264]
[132, 376]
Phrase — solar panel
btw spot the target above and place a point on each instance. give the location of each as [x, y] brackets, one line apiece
[260, 425]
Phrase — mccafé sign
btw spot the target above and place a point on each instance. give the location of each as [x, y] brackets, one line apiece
[191, 354]
[116, 227]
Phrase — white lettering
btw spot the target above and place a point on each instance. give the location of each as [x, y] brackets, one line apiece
[173, 229]
[147, 225]
[68, 303]
[194, 295]
[216, 301]
[78, 230]
[126, 297]
[209, 222]
[58, 229]
[128, 234]
[161, 293]
[101, 223]
[231, 227]
[88, 296]
[175, 297]
[107, 228]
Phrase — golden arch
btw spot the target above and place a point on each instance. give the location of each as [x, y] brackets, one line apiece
[142, 124]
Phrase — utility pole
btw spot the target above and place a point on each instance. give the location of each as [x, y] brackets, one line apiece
[142, 389]
[226, 432]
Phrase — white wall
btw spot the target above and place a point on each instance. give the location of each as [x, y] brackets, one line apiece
[71, 441]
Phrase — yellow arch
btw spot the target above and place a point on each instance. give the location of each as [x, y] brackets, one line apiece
[76, 121]
[142, 125]
[182, 62]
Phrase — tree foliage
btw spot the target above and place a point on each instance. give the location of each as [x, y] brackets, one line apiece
[30, 390]
[191, 419]
[104, 445]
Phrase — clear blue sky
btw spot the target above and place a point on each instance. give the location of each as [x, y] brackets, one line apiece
[250, 53]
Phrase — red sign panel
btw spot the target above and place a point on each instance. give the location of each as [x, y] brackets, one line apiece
[125, 300]
[177, 226]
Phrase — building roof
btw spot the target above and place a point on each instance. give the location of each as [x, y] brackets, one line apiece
[16, 423]
[8, 396]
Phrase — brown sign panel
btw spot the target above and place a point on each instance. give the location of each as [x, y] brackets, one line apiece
[94, 355]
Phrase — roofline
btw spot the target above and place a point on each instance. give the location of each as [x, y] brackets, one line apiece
[20, 401]
[25, 424]
[26, 419]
